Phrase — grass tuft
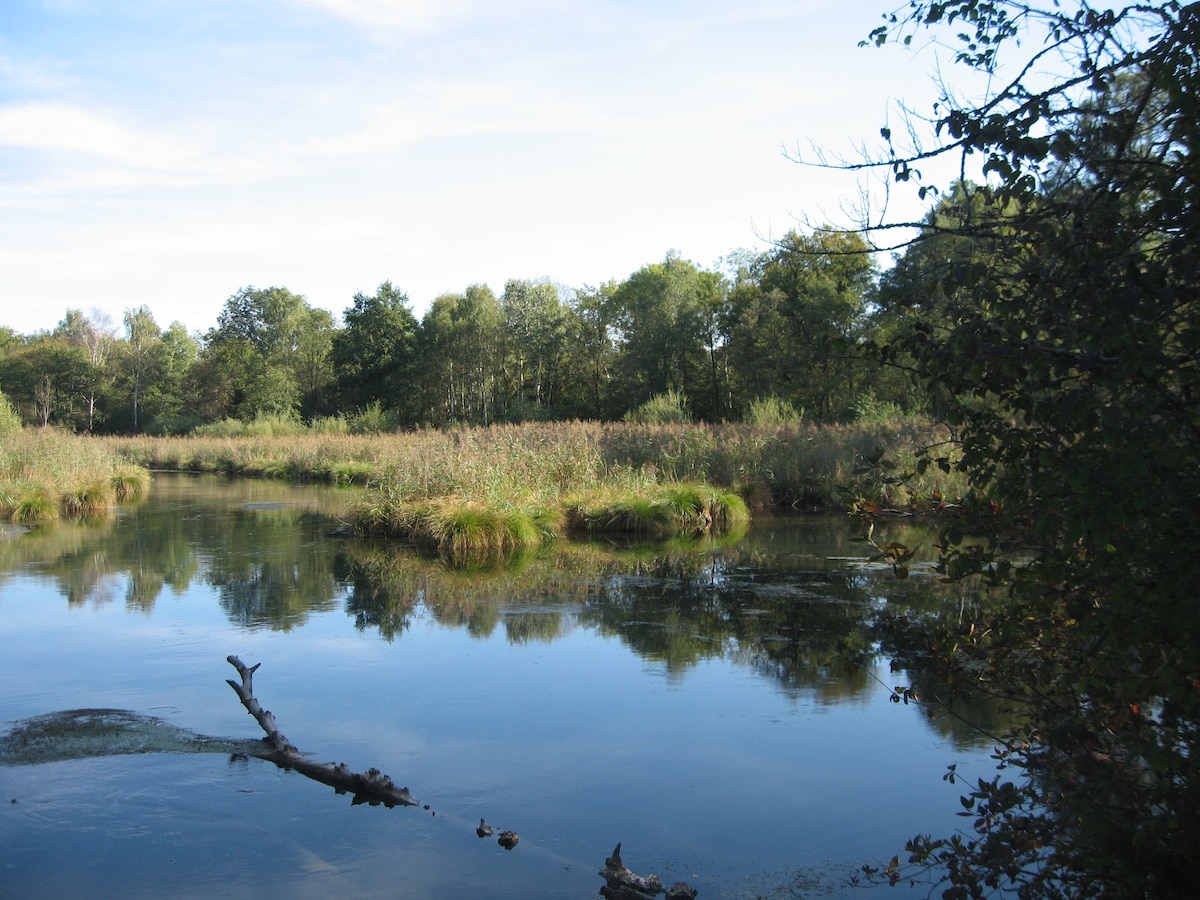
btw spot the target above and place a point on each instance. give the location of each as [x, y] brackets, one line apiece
[130, 483]
[35, 506]
[89, 498]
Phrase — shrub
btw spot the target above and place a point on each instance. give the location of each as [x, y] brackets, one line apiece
[374, 419]
[870, 410]
[661, 409]
[771, 412]
[10, 419]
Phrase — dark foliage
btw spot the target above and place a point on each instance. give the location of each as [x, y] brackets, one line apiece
[1064, 341]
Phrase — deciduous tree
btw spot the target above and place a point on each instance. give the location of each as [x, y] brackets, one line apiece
[256, 340]
[143, 341]
[96, 337]
[535, 325]
[659, 316]
[1081, 334]
[374, 355]
[795, 318]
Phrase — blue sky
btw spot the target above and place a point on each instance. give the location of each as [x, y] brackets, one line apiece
[170, 152]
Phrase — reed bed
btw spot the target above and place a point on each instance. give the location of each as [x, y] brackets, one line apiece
[46, 474]
[801, 465]
[507, 487]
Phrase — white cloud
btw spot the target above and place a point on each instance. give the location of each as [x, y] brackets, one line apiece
[61, 127]
[71, 148]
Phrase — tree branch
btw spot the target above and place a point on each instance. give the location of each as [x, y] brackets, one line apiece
[372, 786]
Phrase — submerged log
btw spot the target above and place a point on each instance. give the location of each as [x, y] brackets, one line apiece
[372, 786]
[622, 884]
[508, 839]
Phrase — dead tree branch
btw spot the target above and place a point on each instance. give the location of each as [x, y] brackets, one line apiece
[622, 884]
[372, 786]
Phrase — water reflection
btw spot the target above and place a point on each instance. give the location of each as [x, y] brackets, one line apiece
[263, 546]
[785, 600]
[753, 664]
[763, 602]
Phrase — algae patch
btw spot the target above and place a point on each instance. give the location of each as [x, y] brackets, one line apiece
[88, 733]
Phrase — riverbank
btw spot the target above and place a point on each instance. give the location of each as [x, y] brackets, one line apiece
[501, 487]
[509, 487]
[46, 474]
[793, 466]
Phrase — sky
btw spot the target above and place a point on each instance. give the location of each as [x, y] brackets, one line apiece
[168, 153]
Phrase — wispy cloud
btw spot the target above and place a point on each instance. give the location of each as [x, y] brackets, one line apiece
[58, 148]
[56, 126]
[403, 15]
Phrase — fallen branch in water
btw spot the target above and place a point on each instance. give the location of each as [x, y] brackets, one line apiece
[372, 786]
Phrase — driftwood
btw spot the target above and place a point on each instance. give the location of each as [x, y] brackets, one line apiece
[508, 839]
[372, 786]
[622, 884]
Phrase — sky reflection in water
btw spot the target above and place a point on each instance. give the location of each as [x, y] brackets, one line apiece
[718, 709]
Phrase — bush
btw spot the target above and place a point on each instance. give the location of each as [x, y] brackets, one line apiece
[661, 409]
[870, 410]
[771, 412]
[275, 425]
[374, 419]
[10, 419]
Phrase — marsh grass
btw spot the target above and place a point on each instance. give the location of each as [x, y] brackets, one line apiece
[796, 465]
[467, 527]
[664, 509]
[130, 483]
[88, 498]
[460, 527]
[34, 505]
[463, 487]
[46, 474]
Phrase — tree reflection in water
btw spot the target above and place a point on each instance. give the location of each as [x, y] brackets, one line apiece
[793, 599]
[820, 622]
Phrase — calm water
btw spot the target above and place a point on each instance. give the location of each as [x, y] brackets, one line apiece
[721, 710]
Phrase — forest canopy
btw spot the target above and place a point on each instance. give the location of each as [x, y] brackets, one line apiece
[785, 325]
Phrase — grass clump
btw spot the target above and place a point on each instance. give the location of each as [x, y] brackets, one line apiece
[46, 474]
[89, 497]
[130, 483]
[468, 527]
[34, 505]
[459, 527]
[666, 509]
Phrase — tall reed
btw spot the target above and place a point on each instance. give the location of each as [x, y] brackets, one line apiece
[506, 487]
[795, 465]
[46, 473]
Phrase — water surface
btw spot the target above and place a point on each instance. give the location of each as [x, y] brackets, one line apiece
[721, 709]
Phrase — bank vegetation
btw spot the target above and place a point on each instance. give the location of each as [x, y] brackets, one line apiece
[47, 474]
[507, 487]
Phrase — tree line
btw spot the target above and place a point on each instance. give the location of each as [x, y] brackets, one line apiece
[786, 325]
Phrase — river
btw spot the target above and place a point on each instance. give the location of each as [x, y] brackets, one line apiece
[721, 708]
